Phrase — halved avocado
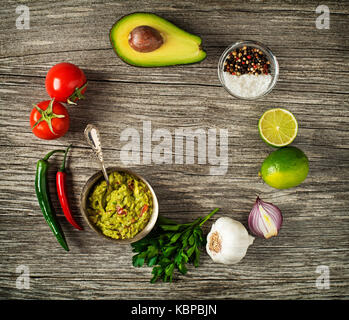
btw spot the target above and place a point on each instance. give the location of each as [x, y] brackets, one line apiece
[178, 46]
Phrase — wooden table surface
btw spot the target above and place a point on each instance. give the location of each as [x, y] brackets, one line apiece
[313, 85]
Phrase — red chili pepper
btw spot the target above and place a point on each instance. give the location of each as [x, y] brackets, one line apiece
[61, 191]
[144, 209]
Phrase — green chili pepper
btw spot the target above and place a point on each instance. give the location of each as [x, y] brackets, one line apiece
[44, 201]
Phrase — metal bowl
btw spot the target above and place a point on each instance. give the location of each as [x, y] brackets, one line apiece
[91, 182]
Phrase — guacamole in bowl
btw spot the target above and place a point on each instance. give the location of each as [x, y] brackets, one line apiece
[123, 210]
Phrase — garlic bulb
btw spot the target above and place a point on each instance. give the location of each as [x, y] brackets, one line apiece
[228, 241]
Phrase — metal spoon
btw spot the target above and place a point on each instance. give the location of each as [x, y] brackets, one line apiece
[93, 138]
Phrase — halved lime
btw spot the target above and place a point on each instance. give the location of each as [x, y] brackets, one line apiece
[278, 127]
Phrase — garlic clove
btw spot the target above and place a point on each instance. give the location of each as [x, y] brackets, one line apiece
[228, 241]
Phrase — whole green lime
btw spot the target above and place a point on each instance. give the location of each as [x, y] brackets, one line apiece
[285, 168]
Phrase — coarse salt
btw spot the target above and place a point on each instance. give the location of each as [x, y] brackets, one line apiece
[247, 85]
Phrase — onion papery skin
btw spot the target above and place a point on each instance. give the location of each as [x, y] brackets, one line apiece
[265, 219]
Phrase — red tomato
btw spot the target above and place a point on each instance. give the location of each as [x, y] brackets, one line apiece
[66, 82]
[49, 120]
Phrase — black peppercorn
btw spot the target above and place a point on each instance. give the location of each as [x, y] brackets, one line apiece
[238, 62]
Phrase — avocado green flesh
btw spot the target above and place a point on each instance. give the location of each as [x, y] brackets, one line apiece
[285, 168]
[122, 211]
[179, 46]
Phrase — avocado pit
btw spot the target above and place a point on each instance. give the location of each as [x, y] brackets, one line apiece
[145, 39]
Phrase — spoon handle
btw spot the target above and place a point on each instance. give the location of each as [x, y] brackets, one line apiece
[93, 138]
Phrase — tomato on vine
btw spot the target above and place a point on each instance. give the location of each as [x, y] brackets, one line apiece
[49, 120]
[66, 82]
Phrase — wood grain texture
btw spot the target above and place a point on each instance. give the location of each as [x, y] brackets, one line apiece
[313, 84]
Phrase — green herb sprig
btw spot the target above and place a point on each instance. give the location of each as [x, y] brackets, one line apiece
[171, 246]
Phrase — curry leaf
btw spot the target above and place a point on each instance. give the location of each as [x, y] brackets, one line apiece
[191, 239]
[184, 257]
[182, 268]
[197, 257]
[169, 269]
[168, 251]
[175, 237]
[170, 246]
[171, 227]
[137, 261]
[152, 251]
[152, 261]
[191, 250]
[157, 272]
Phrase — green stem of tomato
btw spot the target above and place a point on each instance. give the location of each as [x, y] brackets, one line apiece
[77, 94]
[47, 115]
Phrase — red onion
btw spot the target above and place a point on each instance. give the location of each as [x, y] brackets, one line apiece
[265, 219]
